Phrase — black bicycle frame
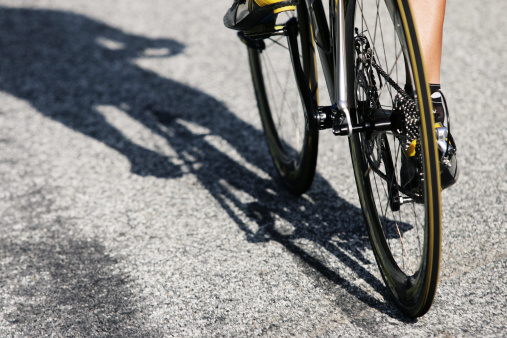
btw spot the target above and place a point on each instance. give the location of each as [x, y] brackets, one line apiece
[335, 47]
[333, 43]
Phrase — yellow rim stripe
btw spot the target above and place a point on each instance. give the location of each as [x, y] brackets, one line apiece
[431, 244]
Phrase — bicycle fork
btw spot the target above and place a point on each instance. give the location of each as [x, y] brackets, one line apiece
[340, 90]
[334, 60]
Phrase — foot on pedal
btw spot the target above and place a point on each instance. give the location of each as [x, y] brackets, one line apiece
[449, 170]
[246, 15]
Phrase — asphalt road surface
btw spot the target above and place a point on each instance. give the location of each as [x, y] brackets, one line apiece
[137, 196]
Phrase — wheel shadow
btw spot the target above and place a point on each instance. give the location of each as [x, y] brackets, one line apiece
[67, 65]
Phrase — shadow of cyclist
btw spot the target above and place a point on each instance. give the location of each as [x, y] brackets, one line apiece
[67, 65]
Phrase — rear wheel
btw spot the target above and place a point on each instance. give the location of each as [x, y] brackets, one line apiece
[292, 139]
[397, 179]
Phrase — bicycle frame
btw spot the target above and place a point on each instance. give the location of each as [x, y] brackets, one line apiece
[336, 58]
[332, 47]
[383, 106]
[333, 44]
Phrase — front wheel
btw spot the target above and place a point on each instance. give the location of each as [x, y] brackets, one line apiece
[397, 172]
[291, 138]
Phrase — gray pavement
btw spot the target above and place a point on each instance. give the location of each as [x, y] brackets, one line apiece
[137, 196]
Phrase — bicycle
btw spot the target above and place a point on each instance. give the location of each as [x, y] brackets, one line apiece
[380, 99]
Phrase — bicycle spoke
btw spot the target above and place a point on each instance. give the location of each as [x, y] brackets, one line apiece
[292, 144]
[392, 182]
[388, 193]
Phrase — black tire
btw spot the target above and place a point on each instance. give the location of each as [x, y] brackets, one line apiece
[290, 134]
[405, 237]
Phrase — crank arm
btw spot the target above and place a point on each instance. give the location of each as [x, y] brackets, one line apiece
[291, 30]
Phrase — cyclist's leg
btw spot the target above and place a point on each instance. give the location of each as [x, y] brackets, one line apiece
[429, 19]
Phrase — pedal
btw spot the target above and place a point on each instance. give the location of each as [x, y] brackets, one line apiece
[252, 43]
[444, 145]
[265, 30]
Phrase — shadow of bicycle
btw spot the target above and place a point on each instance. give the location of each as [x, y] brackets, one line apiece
[67, 66]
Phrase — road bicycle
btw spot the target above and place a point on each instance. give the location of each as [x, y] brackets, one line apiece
[379, 98]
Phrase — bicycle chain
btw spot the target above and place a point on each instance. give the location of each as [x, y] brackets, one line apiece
[406, 107]
[409, 124]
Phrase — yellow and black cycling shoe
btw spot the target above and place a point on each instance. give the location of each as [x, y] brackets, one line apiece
[244, 15]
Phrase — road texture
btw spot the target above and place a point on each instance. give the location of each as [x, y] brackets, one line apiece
[137, 196]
